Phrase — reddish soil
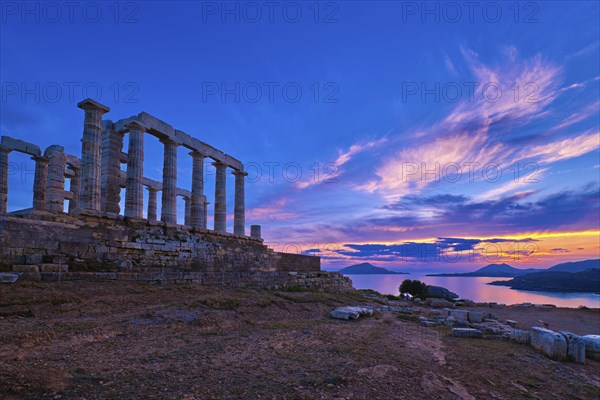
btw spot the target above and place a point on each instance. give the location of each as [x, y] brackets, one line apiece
[82, 340]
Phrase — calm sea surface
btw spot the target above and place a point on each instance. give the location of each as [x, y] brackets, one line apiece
[475, 288]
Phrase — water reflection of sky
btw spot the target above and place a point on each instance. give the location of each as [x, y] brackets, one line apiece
[476, 289]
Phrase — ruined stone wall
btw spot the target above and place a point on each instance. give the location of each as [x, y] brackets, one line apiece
[126, 246]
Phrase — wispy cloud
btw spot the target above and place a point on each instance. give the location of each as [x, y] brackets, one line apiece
[344, 156]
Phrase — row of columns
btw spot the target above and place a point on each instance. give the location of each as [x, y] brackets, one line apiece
[49, 180]
[95, 183]
[94, 156]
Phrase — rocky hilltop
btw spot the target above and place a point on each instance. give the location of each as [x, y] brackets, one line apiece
[366, 269]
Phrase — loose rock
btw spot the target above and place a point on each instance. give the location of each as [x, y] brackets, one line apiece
[466, 333]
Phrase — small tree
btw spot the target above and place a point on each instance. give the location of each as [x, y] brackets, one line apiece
[414, 288]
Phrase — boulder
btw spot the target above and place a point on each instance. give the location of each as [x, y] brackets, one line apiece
[439, 291]
[575, 347]
[475, 316]
[551, 343]
[466, 333]
[592, 343]
[494, 328]
[512, 323]
[459, 315]
[351, 312]
[520, 336]
[440, 303]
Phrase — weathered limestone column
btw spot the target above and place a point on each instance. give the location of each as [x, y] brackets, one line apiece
[239, 210]
[39, 182]
[55, 183]
[134, 194]
[169, 194]
[74, 187]
[204, 224]
[4, 179]
[255, 231]
[112, 147]
[89, 193]
[197, 206]
[220, 198]
[188, 211]
[151, 203]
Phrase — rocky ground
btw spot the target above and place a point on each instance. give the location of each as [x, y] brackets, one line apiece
[84, 340]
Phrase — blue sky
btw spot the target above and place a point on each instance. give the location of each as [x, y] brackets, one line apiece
[338, 110]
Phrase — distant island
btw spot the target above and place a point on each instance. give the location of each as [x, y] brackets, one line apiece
[587, 281]
[366, 269]
[506, 271]
[493, 271]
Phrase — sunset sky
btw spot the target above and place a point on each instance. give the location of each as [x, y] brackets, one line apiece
[371, 131]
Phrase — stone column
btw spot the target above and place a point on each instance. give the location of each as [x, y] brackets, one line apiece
[239, 210]
[55, 183]
[39, 182]
[151, 203]
[112, 146]
[188, 211]
[169, 194]
[255, 231]
[134, 188]
[220, 198]
[74, 187]
[4, 179]
[204, 224]
[89, 193]
[197, 206]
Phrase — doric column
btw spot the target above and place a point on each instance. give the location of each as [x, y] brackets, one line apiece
[188, 211]
[39, 182]
[204, 224]
[134, 188]
[151, 203]
[74, 187]
[89, 193]
[4, 179]
[220, 198]
[112, 146]
[55, 183]
[197, 206]
[169, 194]
[239, 210]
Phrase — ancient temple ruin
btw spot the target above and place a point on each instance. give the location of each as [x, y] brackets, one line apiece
[90, 239]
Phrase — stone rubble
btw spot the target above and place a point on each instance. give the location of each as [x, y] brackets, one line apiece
[472, 324]
[351, 312]
[466, 333]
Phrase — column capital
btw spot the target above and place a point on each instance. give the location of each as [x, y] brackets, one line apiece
[5, 149]
[167, 141]
[90, 105]
[40, 159]
[239, 173]
[152, 189]
[217, 163]
[136, 126]
[197, 154]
